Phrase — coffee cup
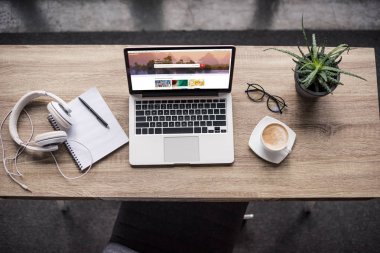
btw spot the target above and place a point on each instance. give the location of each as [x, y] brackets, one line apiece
[274, 137]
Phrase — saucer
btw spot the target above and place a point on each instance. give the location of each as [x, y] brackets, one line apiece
[256, 145]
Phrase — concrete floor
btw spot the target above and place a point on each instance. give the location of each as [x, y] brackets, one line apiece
[278, 226]
[163, 15]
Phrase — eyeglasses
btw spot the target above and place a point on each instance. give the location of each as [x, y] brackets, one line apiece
[257, 93]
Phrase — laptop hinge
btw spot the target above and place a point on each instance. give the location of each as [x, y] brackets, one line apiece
[164, 94]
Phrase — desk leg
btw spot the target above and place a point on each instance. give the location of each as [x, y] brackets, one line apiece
[63, 206]
[247, 216]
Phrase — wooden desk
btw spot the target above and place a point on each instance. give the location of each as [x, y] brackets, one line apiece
[336, 155]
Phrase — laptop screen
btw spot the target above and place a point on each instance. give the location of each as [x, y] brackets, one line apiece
[173, 69]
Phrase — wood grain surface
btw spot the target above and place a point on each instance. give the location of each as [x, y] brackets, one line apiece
[336, 155]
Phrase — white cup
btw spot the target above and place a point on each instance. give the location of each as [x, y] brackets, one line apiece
[274, 137]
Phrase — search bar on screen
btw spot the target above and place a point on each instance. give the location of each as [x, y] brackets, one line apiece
[172, 65]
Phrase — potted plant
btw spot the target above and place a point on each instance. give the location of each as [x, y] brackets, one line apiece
[317, 73]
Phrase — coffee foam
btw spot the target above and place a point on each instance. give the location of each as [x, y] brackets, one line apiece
[275, 136]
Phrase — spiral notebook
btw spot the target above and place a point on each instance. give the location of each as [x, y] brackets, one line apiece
[87, 130]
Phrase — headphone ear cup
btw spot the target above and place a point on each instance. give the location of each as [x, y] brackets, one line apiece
[60, 116]
[50, 138]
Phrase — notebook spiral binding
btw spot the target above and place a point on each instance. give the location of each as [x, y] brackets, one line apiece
[56, 127]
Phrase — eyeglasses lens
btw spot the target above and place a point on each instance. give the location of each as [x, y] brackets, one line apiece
[255, 92]
[275, 104]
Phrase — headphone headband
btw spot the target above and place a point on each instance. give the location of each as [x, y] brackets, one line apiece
[58, 100]
[17, 109]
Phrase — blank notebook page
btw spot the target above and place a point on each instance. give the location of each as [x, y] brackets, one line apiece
[88, 130]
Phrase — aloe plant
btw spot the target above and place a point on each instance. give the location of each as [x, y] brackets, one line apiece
[318, 67]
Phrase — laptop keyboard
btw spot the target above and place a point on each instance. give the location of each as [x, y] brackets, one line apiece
[181, 116]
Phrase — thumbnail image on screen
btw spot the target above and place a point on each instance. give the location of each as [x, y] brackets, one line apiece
[180, 69]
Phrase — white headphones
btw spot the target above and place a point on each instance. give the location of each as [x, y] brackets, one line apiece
[45, 142]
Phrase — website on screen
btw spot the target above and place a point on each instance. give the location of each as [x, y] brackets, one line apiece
[180, 69]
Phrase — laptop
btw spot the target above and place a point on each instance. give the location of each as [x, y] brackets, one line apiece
[180, 106]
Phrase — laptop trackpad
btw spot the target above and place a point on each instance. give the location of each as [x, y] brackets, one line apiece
[181, 149]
